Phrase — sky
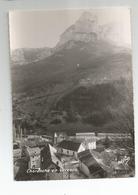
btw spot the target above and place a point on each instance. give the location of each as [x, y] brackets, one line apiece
[42, 28]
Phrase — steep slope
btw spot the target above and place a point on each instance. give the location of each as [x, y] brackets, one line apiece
[26, 56]
[82, 92]
[83, 84]
[73, 64]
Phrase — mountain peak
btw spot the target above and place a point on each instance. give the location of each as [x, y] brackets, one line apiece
[87, 16]
[84, 29]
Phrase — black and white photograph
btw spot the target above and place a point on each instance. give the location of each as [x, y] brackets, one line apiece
[72, 94]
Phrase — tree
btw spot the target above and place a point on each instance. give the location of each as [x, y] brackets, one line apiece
[107, 142]
[124, 115]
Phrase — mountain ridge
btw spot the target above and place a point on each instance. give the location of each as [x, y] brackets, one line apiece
[85, 29]
[78, 74]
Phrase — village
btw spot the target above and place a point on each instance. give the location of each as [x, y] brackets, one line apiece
[72, 156]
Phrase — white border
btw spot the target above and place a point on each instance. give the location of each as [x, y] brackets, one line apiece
[78, 187]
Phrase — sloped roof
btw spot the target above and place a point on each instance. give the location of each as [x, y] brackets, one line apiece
[69, 145]
[90, 158]
[86, 157]
[103, 159]
[90, 161]
[51, 157]
[33, 151]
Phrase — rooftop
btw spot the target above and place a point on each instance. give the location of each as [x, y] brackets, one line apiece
[35, 151]
[69, 145]
[90, 158]
[51, 157]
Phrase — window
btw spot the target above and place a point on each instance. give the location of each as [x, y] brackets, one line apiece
[16, 146]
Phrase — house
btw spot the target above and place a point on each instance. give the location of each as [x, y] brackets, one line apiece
[47, 138]
[89, 165]
[70, 148]
[37, 141]
[88, 139]
[34, 154]
[90, 144]
[48, 157]
[85, 135]
[50, 162]
[32, 140]
[114, 136]
[59, 136]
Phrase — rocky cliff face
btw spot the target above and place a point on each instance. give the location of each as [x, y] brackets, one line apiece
[26, 56]
[85, 29]
[84, 76]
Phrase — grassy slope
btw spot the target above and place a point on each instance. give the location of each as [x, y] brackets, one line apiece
[54, 83]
